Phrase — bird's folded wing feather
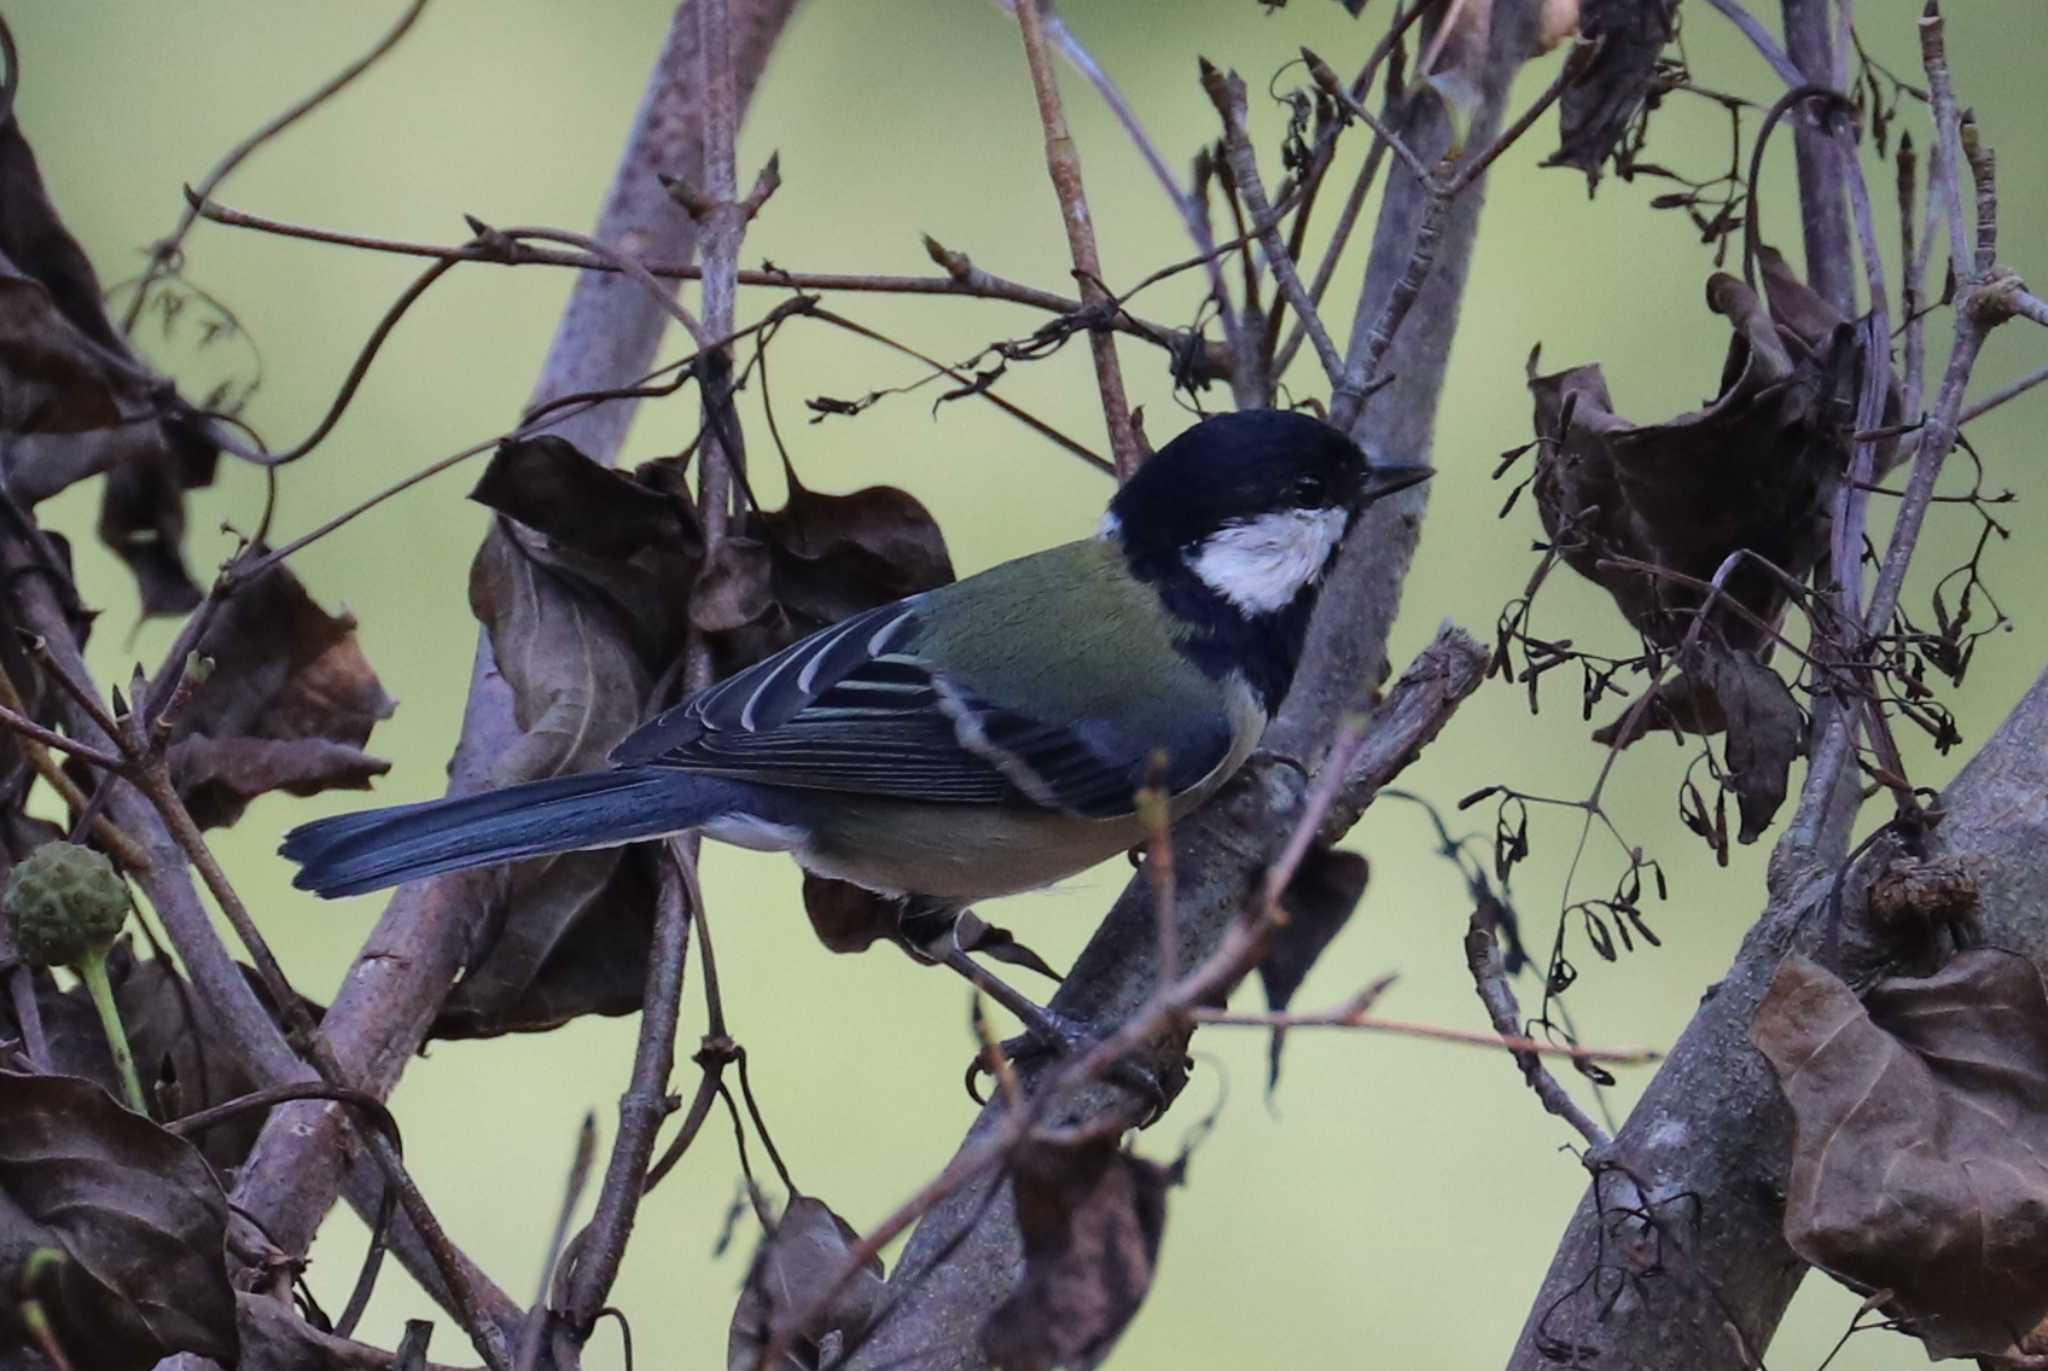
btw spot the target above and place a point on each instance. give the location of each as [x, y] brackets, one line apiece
[854, 708]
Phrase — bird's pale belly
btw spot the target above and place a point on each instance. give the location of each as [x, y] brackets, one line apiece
[961, 853]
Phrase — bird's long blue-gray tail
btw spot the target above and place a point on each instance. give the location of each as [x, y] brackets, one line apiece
[351, 853]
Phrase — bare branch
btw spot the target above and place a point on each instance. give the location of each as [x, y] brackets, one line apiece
[965, 281]
[1063, 163]
[608, 333]
[1227, 94]
[598, 1250]
[1713, 1131]
[163, 254]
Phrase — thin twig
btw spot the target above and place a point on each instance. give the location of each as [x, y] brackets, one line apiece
[1196, 223]
[1490, 979]
[975, 285]
[1760, 38]
[601, 1248]
[1017, 412]
[165, 251]
[2013, 391]
[572, 1195]
[1063, 164]
[14, 711]
[1349, 1018]
[1227, 94]
[34, 734]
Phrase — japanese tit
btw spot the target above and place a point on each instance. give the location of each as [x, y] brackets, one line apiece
[978, 739]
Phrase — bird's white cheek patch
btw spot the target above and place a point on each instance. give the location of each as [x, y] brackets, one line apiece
[1261, 564]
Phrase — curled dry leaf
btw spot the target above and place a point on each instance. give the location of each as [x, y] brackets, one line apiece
[1920, 1148]
[1753, 473]
[578, 687]
[75, 400]
[288, 704]
[1597, 108]
[582, 598]
[136, 1220]
[1319, 901]
[1091, 1216]
[813, 562]
[793, 1269]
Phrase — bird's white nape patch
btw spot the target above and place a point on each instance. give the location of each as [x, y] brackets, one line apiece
[1261, 564]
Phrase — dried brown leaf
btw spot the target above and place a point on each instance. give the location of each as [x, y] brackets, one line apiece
[1920, 1152]
[793, 1269]
[1766, 733]
[1318, 901]
[136, 1213]
[288, 704]
[1091, 1217]
[219, 776]
[1751, 472]
[1597, 108]
[75, 401]
[578, 687]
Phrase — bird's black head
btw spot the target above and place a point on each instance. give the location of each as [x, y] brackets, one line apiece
[1253, 504]
[1236, 521]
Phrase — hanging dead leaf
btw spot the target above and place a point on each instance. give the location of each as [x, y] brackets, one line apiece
[1319, 901]
[552, 488]
[1920, 1149]
[630, 541]
[1091, 1216]
[219, 776]
[288, 704]
[1753, 473]
[75, 400]
[795, 1267]
[578, 687]
[815, 561]
[1766, 732]
[135, 1219]
[1597, 108]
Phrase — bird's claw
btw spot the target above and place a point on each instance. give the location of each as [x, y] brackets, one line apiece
[1049, 1034]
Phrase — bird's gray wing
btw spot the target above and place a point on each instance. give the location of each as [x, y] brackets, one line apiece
[855, 708]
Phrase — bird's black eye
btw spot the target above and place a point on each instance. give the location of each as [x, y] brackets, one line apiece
[1310, 491]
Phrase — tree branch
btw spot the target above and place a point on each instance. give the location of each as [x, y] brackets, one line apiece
[1693, 1185]
[1823, 198]
[608, 334]
[1692, 1190]
[1063, 164]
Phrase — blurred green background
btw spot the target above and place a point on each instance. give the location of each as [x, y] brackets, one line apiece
[1398, 1201]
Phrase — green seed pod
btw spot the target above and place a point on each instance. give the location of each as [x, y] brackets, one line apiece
[64, 903]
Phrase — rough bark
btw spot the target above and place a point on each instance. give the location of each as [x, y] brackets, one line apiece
[1707, 1151]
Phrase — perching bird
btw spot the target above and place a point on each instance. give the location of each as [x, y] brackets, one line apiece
[975, 740]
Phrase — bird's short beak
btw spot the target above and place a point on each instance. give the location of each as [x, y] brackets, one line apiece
[1384, 478]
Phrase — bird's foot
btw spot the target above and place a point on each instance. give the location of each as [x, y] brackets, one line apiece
[1047, 1033]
